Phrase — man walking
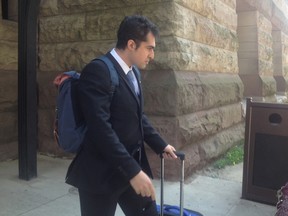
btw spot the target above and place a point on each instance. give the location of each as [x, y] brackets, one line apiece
[112, 166]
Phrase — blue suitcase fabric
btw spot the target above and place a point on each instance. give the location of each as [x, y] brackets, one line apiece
[170, 210]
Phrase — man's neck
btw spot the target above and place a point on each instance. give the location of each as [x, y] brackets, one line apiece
[123, 54]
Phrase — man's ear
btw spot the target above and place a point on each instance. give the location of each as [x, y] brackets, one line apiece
[131, 45]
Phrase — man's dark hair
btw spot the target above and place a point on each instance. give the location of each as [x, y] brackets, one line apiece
[135, 28]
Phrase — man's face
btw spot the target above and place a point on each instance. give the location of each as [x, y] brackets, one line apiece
[144, 53]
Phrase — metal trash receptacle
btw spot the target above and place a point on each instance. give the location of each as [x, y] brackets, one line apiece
[265, 167]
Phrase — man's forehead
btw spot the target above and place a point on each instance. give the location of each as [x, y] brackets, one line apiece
[150, 40]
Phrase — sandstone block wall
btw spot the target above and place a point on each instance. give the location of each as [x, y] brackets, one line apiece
[262, 27]
[8, 88]
[280, 60]
[192, 90]
[193, 85]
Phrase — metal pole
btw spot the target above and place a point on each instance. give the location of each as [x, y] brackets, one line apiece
[27, 88]
[162, 187]
[182, 188]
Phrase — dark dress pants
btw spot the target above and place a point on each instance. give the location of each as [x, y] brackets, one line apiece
[103, 205]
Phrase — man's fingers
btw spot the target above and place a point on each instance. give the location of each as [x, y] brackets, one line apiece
[142, 185]
[153, 195]
[169, 155]
[169, 152]
[138, 192]
[149, 192]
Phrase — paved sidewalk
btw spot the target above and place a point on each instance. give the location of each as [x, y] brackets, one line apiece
[48, 195]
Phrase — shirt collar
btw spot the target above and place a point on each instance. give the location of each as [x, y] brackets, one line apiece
[123, 65]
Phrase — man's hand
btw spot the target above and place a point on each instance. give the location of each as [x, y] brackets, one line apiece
[142, 185]
[169, 152]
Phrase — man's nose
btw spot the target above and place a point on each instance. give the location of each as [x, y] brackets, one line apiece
[151, 54]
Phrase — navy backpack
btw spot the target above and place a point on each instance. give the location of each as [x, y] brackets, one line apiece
[70, 127]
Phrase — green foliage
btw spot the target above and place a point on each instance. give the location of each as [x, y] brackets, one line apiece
[232, 157]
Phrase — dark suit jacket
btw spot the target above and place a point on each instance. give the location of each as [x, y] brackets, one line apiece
[116, 128]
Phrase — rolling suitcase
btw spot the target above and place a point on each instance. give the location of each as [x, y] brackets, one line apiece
[171, 210]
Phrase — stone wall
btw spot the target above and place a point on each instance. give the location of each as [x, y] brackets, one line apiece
[192, 90]
[262, 28]
[8, 88]
[280, 60]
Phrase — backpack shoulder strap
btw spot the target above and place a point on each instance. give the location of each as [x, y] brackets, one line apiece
[112, 71]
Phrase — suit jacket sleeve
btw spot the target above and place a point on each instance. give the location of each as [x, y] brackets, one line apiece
[152, 137]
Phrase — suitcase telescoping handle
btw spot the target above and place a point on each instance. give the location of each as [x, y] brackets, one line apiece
[181, 156]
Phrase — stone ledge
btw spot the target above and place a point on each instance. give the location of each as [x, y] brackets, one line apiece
[169, 93]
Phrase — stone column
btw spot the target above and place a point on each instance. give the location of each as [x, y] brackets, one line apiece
[255, 55]
[280, 61]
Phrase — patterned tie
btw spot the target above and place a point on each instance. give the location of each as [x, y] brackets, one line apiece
[132, 79]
